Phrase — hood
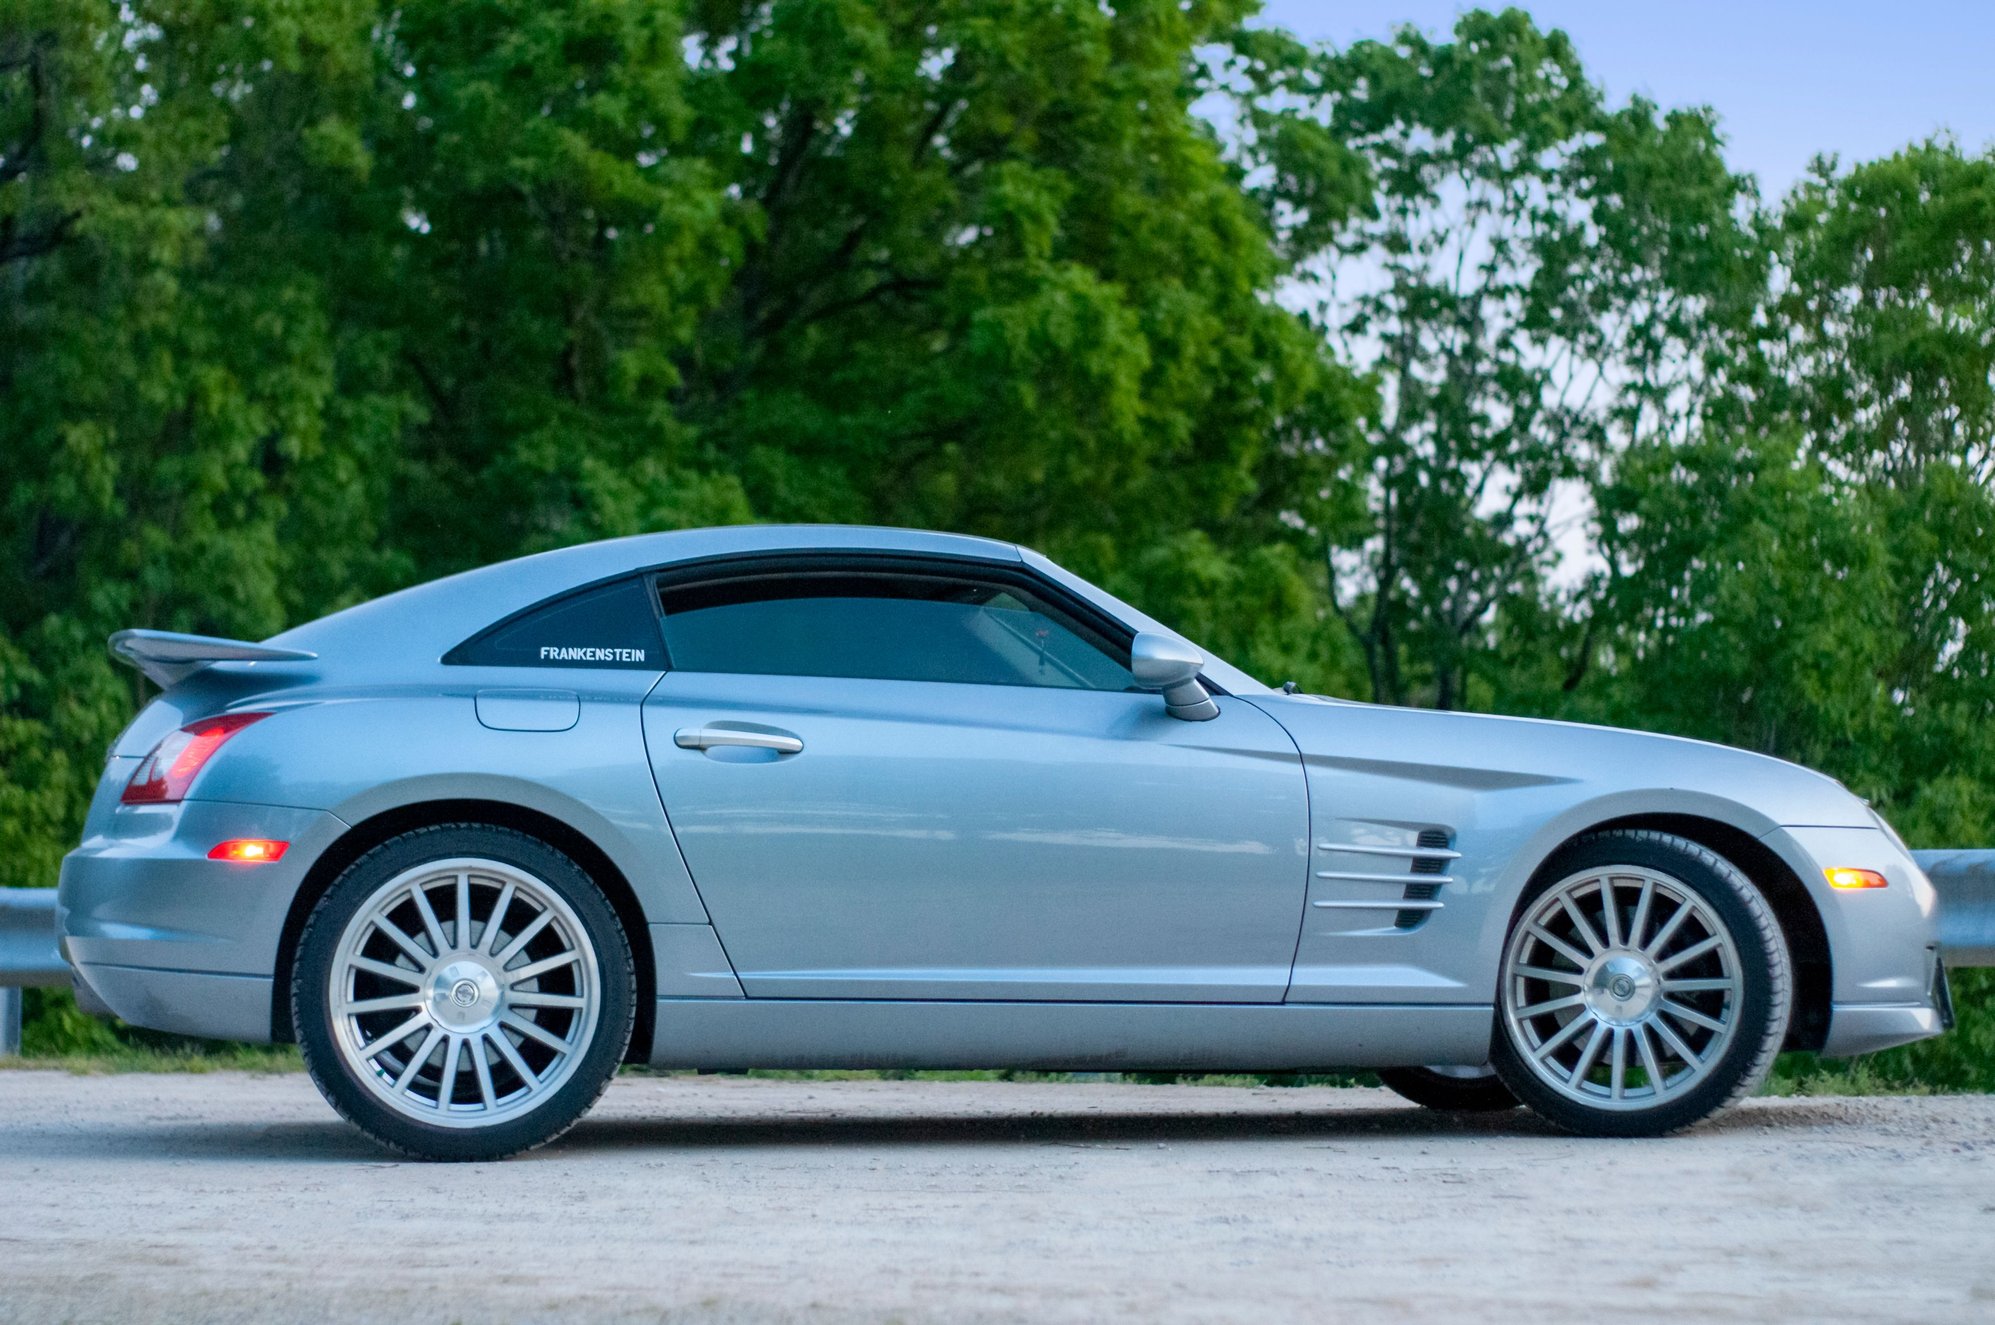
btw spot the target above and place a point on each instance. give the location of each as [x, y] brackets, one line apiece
[1474, 752]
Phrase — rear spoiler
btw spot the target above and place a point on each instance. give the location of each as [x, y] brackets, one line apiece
[170, 659]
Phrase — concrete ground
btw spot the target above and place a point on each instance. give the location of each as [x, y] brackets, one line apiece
[707, 1199]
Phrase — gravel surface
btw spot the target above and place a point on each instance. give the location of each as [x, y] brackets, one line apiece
[234, 1197]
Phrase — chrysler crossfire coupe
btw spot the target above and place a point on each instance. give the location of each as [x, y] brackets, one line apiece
[815, 797]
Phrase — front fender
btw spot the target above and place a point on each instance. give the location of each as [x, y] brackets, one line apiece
[1507, 793]
[1526, 837]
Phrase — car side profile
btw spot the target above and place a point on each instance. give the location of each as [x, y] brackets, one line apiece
[838, 797]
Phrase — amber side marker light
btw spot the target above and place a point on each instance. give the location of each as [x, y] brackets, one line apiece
[1841, 876]
[250, 850]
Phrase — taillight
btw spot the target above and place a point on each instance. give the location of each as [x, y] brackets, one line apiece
[164, 775]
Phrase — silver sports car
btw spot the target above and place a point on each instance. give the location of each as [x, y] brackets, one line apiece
[836, 797]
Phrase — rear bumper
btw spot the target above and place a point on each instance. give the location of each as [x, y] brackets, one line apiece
[215, 1007]
[170, 940]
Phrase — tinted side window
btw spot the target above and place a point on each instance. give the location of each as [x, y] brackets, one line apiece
[889, 626]
[613, 625]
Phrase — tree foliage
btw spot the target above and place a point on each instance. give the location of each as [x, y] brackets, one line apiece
[306, 302]
[1533, 276]
[1430, 374]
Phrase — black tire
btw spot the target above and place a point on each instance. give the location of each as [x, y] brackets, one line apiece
[593, 1066]
[1449, 1093]
[1764, 993]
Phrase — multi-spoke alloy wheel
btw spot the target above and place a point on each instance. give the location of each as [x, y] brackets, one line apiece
[1622, 985]
[1643, 987]
[465, 993]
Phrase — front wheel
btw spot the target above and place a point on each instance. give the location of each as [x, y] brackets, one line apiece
[463, 992]
[1645, 985]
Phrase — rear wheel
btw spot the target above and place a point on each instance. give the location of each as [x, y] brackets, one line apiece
[1451, 1089]
[463, 992]
[1645, 986]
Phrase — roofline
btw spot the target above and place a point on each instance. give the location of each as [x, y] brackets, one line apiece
[426, 620]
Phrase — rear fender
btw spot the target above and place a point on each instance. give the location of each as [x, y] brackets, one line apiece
[358, 756]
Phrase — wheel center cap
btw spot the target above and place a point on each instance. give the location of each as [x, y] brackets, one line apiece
[464, 996]
[1622, 988]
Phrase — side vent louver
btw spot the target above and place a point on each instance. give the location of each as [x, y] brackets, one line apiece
[1418, 869]
[1432, 839]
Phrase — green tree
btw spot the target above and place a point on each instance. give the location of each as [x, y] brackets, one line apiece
[1883, 359]
[1808, 573]
[163, 451]
[305, 302]
[997, 277]
[522, 240]
[1535, 280]
[1809, 576]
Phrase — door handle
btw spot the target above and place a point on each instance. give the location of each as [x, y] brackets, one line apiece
[710, 738]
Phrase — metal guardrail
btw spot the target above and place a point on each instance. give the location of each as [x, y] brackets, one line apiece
[1966, 884]
[28, 955]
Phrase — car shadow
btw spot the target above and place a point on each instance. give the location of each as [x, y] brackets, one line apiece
[1389, 1120]
[332, 1141]
[1081, 1129]
[1131, 1128]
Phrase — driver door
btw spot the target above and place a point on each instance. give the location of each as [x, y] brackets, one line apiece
[915, 780]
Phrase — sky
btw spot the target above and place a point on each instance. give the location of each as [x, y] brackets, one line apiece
[1789, 80]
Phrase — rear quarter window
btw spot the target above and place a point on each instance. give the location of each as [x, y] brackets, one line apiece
[611, 625]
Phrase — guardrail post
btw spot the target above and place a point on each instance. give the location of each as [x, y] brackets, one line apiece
[28, 956]
[10, 1022]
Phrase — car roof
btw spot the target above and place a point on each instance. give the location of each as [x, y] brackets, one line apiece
[426, 620]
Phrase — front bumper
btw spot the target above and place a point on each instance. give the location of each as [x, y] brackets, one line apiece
[1856, 1028]
[170, 940]
[1886, 980]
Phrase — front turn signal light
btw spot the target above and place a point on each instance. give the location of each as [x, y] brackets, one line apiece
[249, 850]
[1842, 876]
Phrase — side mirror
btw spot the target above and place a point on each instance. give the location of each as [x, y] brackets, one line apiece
[1172, 666]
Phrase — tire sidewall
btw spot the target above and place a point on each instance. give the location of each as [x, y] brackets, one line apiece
[312, 1016]
[1755, 934]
